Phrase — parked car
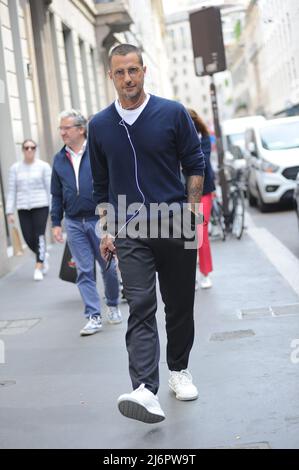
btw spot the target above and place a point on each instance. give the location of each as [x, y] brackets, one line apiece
[233, 137]
[272, 158]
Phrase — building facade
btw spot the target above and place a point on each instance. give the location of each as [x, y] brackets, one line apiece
[54, 56]
[279, 56]
[191, 90]
[265, 61]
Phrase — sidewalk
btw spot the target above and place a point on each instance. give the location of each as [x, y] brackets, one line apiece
[58, 390]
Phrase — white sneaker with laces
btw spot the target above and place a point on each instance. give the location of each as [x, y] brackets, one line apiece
[142, 405]
[93, 325]
[46, 266]
[114, 315]
[206, 282]
[38, 275]
[181, 384]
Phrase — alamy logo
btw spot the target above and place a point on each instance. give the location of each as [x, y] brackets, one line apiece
[2, 352]
[156, 220]
[2, 92]
[295, 353]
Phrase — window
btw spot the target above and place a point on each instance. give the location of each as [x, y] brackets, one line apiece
[56, 59]
[85, 76]
[95, 76]
[172, 36]
[71, 68]
[183, 37]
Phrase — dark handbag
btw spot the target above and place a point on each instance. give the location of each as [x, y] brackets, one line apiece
[68, 270]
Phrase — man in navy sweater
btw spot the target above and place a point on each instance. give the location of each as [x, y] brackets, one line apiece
[71, 189]
[137, 146]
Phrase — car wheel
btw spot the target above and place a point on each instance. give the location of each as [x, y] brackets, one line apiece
[263, 207]
[251, 199]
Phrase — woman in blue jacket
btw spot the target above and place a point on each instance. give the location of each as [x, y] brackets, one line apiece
[204, 250]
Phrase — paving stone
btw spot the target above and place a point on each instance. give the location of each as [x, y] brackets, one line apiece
[228, 335]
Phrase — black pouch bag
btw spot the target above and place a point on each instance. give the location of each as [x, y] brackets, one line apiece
[68, 270]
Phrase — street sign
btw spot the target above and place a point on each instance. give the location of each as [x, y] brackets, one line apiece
[209, 58]
[207, 40]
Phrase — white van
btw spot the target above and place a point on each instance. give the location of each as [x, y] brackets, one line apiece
[233, 137]
[272, 158]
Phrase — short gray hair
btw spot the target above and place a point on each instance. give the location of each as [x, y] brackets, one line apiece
[79, 119]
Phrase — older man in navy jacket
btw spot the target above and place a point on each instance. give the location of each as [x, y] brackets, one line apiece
[71, 189]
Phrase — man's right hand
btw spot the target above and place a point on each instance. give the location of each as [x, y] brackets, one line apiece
[57, 234]
[107, 245]
[11, 219]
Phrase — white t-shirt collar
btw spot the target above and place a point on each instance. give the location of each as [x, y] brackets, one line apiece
[131, 115]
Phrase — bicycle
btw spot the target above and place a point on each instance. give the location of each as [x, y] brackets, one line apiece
[233, 221]
[216, 226]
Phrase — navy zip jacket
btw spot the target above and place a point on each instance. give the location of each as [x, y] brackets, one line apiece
[209, 185]
[66, 199]
[163, 137]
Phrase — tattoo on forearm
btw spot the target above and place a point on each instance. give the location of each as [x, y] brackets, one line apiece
[194, 188]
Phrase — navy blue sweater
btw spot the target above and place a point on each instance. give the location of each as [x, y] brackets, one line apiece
[163, 136]
[66, 199]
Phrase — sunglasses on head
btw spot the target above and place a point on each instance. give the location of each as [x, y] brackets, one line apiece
[30, 147]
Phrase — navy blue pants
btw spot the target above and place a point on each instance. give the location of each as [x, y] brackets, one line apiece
[139, 260]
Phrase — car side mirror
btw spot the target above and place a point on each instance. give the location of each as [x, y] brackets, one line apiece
[252, 149]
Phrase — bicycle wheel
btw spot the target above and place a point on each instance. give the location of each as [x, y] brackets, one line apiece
[238, 215]
[216, 221]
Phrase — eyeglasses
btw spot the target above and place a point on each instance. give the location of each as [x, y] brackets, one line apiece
[132, 71]
[66, 128]
[30, 147]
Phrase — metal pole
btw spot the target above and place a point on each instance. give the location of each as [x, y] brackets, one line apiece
[220, 152]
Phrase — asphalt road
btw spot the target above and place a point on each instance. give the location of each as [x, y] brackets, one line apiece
[282, 223]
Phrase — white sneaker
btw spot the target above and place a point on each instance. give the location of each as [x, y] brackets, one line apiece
[114, 315]
[46, 266]
[93, 325]
[38, 275]
[142, 405]
[181, 384]
[206, 282]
